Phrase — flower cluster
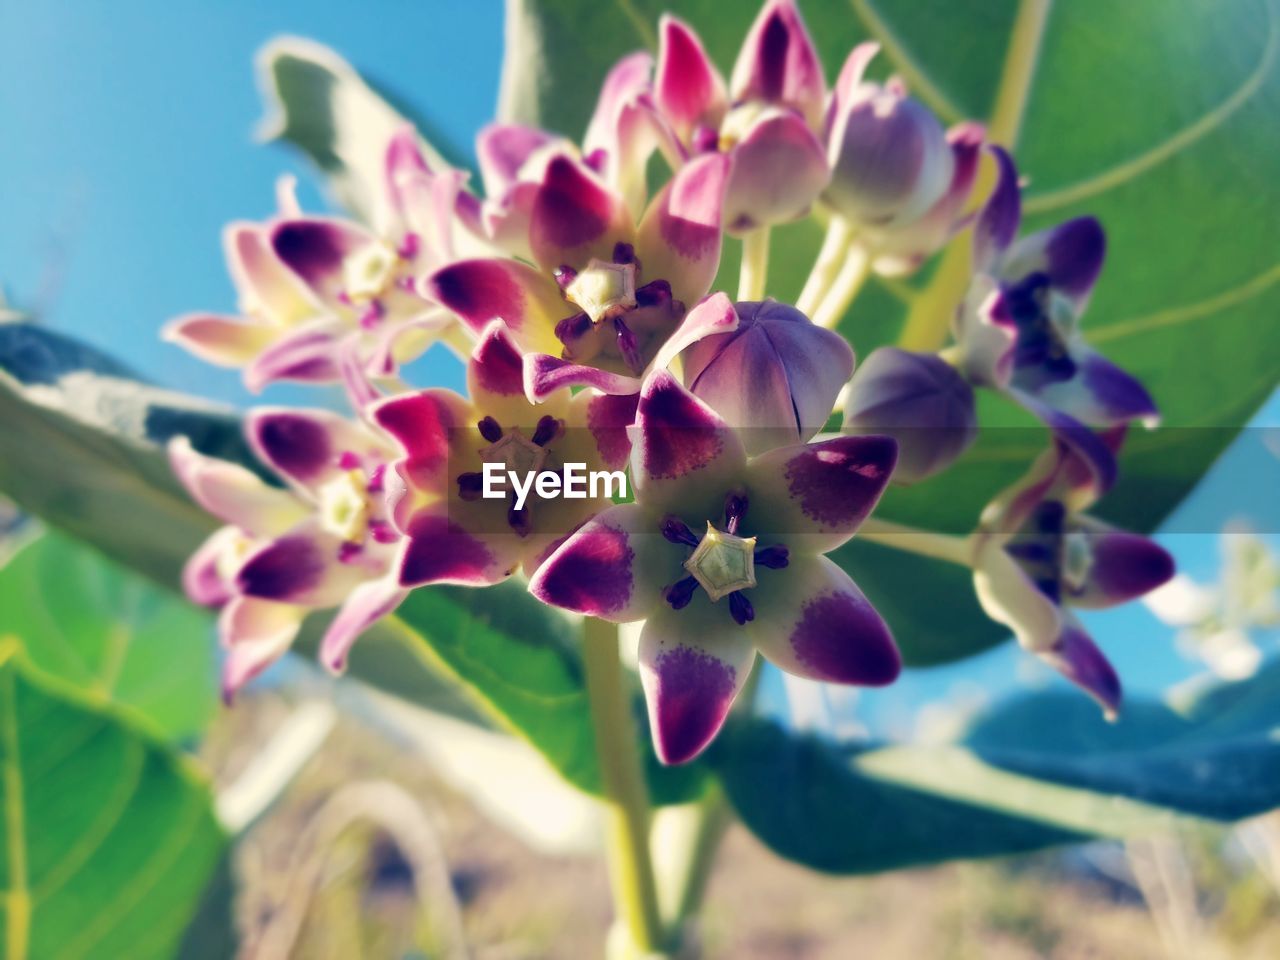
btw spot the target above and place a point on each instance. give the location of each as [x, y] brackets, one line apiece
[582, 301]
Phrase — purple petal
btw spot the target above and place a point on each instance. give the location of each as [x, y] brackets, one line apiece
[813, 621]
[441, 551]
[496, 367]
[1099, 393]
[693, 662]
[779, 64]
[998, 222]
[819, 493]
[1124, 566]
[479, 291]
[608, 417]
[628, 78]
[502, 149]
[307, 446]
[202, 580]
[262, 279]
[1008, 596]
[575, 217]
[233, 494]
[307, 355]
[779, 169]
[1071, 254]
[714, 315]
[301, 568]
[423, 424]
[687, 88]
[612, 567]
[368, 604]
[1078, 658]
[544, 375]
[680, 237]
[315, 248]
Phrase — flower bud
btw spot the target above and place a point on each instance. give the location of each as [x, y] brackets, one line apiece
[776, 377]
[889, 157]
[918, 399]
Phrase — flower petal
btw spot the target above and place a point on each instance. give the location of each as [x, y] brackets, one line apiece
[608, 416]
[693, 662]
[424, 423]
[688, 89]
[224, 341]
[680, 236]
[502, 149]
[315, 248]
[300, 568]
[614, 567]
[816, 495]
[1009, 596]
[233, 494]
[441, 550]
[998, 222]
[1099, 393]
[811, 620]
[309, 354]
[309, 447]
[202, 579]
[255, 634]
[1124, 566]
[544, 375]
[575, 217]
[479, 291]
[714, 315]
[268, 289]
[1071, 254]
[1078, 658]
[495, 372]
[367, 604]
[779, 64]
[682, 452]
[779, 169]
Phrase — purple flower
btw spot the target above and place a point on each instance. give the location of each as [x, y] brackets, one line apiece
[1018, 327]
[722, 556]
[768, 120]
[774, 379]
[918, 399]
[1037, 555]
[322, 541]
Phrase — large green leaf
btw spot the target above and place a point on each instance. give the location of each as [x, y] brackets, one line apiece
[495, 657]
[111, 633]
[1037, 771]
[108, 839]
[1153, 115]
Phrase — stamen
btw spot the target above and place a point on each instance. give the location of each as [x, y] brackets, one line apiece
[409, 246]
[775, 557]
[705, 139]
[546, 430]
[348, 460]
[490, 429]
[596, 159]
[628, 345]
[681, 592]
[565, 275]
[383, 532]
[348, 552]
[677, 531]
[519, 521]
[470, 485]
[735, 508]
[372, 315]
[377, 479]
[624, 253]
[741, 609]
[572, 329]
[655, 293]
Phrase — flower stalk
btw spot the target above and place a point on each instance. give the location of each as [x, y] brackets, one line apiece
[625, 795]
[754, 272]
[926, 543]
[831, 257]
[848, 282]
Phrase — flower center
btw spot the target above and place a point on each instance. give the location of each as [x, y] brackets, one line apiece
[368, 272]
[524, 455]
[344, 506]
[1041, 340]
[738, 123]
[603, 290]
[722, 562]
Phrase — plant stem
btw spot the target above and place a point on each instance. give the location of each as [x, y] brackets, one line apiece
[853, 274]
[926, 543]
[927, 322]
[625, 795]
[835, 248]
[712, 820]
[754, 271]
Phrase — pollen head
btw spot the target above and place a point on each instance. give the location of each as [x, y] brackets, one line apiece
[723, 563]
[603, 289]
[518, 452]
[368, 272]
[344, 506]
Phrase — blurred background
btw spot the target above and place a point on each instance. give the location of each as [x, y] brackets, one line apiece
[129, 143]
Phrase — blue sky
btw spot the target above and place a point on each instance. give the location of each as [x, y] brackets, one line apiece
[128, 144]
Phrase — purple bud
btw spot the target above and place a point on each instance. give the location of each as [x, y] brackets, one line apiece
[918, 399]
[776, 377]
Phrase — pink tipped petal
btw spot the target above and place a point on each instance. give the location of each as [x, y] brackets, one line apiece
[680, 447]
[315, 249]
[850, 83]
[442, 551]
[1009, 596]
[233, 494]
[575, 217]
[368, 604]
[1071, 254]
[480, 291]
[998, 222]
[680, 237]
[255, 634]
[687, 88]
[813, 621]
[1078, 658]
[1099, 393]
[496, 368]
[779, 169]
[776, 377]
[1123, 567]
[424, 423]
[308, 447]
[986, 334]
[608, 417]
[818, 494]
[779, 64]
[219, 340]
[202, 579]
[301, 568]
[714, 315]
[1089, 467]
[308, 355]
[614, 567]
[628, 79]
[502, 149]
[544, 375]
[693, 662]
[268, 289]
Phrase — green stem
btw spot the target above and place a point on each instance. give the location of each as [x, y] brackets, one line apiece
[835, 249]
[755, 265]
[625, 794]
[853, 274]
[926, 543]
[713, 817]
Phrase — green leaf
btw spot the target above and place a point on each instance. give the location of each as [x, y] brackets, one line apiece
[1036, 771]
[110, 633]
[108, 838]
[1153, 115]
